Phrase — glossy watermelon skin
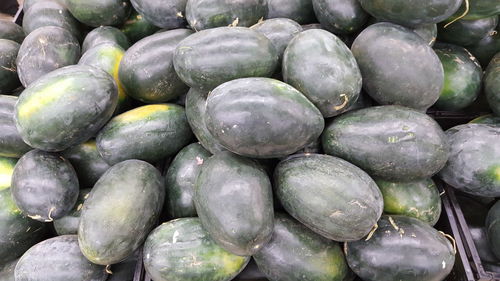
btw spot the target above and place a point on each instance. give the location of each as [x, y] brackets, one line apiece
[474, 164]
[9, 80]
[252, 55]
[493, 229]
[319, 65]
[492, 84]
[47, 117]
[419, 199]
[105, 34]
[329, 195]
[44, 50]
[181, 178]
[69, 223]
[486, 49]
[479, 9]
[391, 142]
[147, 70]
[398, 67]
[205, 14]
[195, 112]
[466, 32]
[123, 206]
[44, 185]
[237, 209]
[99, 12]
[487, 119]
[300, 11]
[271, 131]
[411, 13]
[462, 77]
[137, 27]
[297, 253]
[169, 14]
[401, 248]
[49, 261]
[11, 31]
[11, 143]
[149, 133]
[340, 17]
[194, 256]
[7, 271]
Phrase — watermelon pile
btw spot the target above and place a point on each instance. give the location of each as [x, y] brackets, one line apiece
[201, 137]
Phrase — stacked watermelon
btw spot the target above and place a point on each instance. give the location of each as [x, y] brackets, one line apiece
[245, 130]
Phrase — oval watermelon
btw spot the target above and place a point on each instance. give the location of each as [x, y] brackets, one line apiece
[105, 34]
[466, 32]
[341, 16]
[486, 48]
[99, 12]
[169, 14]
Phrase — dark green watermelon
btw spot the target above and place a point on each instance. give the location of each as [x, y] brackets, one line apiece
[148, 133]
[487, 119]
[164, 14]
[398, 67]
[7, 271]
[411, 13]
[462, 77]
[419, 199]
[474, 163]
[234, 52]
[493, 229]
[295, 253]
[466, 32]
[44, 50]
[99, 12]
[205, 14]
[401, 248]
[58, 259]
[196, 104]
[69, 223]
[137, 27]
[147, 68]
[44, 186]
[120, 211]
[65, 107]
[485, 49]
[300, 11]
[50, 13]
[181, 178]
[341, 16]
[11, 31]
[6, 169]
[236, 208]
[181, 250]
[492, 84]
[479, 9]
[105, 34]
[391, 142]
[329, 195]
[9, 80]
[319, 65]
[262, 118]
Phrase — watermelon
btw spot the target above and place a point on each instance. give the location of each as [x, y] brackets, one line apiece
[121, 209]
[479, 9]
[493, 229]
[492, 84]
[466, 32]
[401, 248]
[486, 48]
[105, 34]
[65, 107]
[205, 14]
[99, 12]
[44, 186]
[319, 65]
[474, 163]
[44, 50]
[487, 119]
[398, 67]
[125, 270]
[7, 271]
[300, 11]
[11, 31]
[181, 178]
[297, 253]
[9, 80]
[271, 131]
[234, 52]
[419, 199]
[182, 250]
[391, 142]
[329, 195]
[236, 209]
[148, 133]
[58, 259]
[69, 223]
[462, 77]
[411, 13]
[137, 27]
[341, 16]
[169, 14]
[147, 70]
